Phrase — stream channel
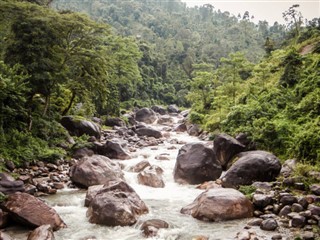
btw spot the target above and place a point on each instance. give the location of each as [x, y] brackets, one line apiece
[163, 203]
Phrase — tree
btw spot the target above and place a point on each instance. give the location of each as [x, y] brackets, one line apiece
[293, 17]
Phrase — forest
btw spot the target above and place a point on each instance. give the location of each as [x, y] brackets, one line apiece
[105, 57]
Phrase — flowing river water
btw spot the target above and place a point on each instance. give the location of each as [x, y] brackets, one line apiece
[163, 203]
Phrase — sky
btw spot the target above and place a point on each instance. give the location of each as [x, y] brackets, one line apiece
[270, 11]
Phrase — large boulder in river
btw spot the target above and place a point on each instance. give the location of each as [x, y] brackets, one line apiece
[115, 121]
[78, 127]
[30, 211]
[95, 170]
[220, 204]
[151, 227]
[151, 176]
[173, 109]
[116, 205]
[165, 120]
[225, 148]
[9, 185]
[146, 115]
[252, 166]
[112, 150]
[159, 109]
[196, 164]
[149, 132]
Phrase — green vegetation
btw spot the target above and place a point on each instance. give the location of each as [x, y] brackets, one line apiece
[236, 75]
[247, 190]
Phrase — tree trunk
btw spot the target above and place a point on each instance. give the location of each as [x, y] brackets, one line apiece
[66, 110]
[46, 106]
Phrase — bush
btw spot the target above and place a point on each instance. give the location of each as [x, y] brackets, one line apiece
[195, 117]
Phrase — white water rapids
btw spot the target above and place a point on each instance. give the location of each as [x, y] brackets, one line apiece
[163, 203]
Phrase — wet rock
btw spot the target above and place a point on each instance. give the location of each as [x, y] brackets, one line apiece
[151, 176]
[145, 115]
[173, 109]
[149, 132]
[181, 128]
[165, 120]
[194, 130]
[78, 127]
[91, 193]
[196, 164]
[114, 121]
[30, 211]
[43, 232]
[219, 204]
[225, 148]
[140, 166]
[315, 189]
[95, 170]
[9, 185]
[151, 227]
[159, 109]
[252, 166]
[269, 224]
[112, 150]
[116, 205]
[288, 200]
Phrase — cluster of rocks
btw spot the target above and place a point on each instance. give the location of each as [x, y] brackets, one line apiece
[112, 202]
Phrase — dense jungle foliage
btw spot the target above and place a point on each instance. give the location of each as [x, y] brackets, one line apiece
[236, 75]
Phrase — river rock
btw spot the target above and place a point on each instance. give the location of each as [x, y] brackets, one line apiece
[140, 166]
[95, 170]
[269, 224]
[261, 200]
[149, 132]
[152, 177]
[151, 227]
[220, 204]
[194, 130]
[91, 193]
[315, 189]
[30, 211]
[3, 219]
[145, 115]
[43, 232]
[181, 128]
[116, 205]
[165, 120]
[173, 109]
[78, 127]
[114, 121]
[112, 150]
[9, 185]
[196, 164]
[252, 166]
[159, 109]
[225, 148]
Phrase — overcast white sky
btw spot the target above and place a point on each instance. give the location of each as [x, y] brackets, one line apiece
[263, 10]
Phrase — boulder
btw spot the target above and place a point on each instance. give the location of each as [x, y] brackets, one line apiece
[196, 164]
[8, 185]
[145, 115]
[3, 219]
[78, 127]
[152, 177]
[181, 128]
[30, 211]
[116, 205]
[225, 148]
[114, 121]
[4, 236]
[315, 189]
[149, 132]
[95, 170]
[269, 224]
[91, 193]
[151, 227]
[43, 232]
[194, 130]
[165, 120]
[82, 152]
[173, 109]
[220, 204]
[159, 109]
[140, 166]
[252, 166]
[112, 150]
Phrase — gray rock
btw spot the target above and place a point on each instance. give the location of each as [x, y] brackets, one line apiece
[159, 109]
[112, 150]
[285, 211]
[145, 115]
[194, 130]
[140, 166]
[173, 109]
[297, 221]
[149, 132]
[151, 227]
[296, 207]
[114, 121]
[269, 224]
[252, 166]
[78, 127]
[315, 189]
[261, 200]
[151, 176]
[288, 200]
[196, 164]
[43, 232]
[308, 236]
[8, 185]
